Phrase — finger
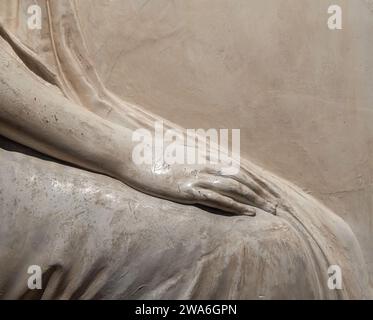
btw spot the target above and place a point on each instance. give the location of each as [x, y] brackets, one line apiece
[248, 181]
[239, 192]
[241, 177]
[255, 184]
[215, 200]
[246, 177]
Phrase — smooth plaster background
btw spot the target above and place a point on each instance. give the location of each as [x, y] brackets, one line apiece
[301, 94]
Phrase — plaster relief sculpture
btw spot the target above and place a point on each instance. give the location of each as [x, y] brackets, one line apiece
[73, 201]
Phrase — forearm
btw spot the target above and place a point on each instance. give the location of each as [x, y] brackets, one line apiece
[37, 115]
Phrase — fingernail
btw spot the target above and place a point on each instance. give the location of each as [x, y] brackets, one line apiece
[250, 212]
[272, 208]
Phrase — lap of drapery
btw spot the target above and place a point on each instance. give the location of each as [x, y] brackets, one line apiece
[95, 237]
